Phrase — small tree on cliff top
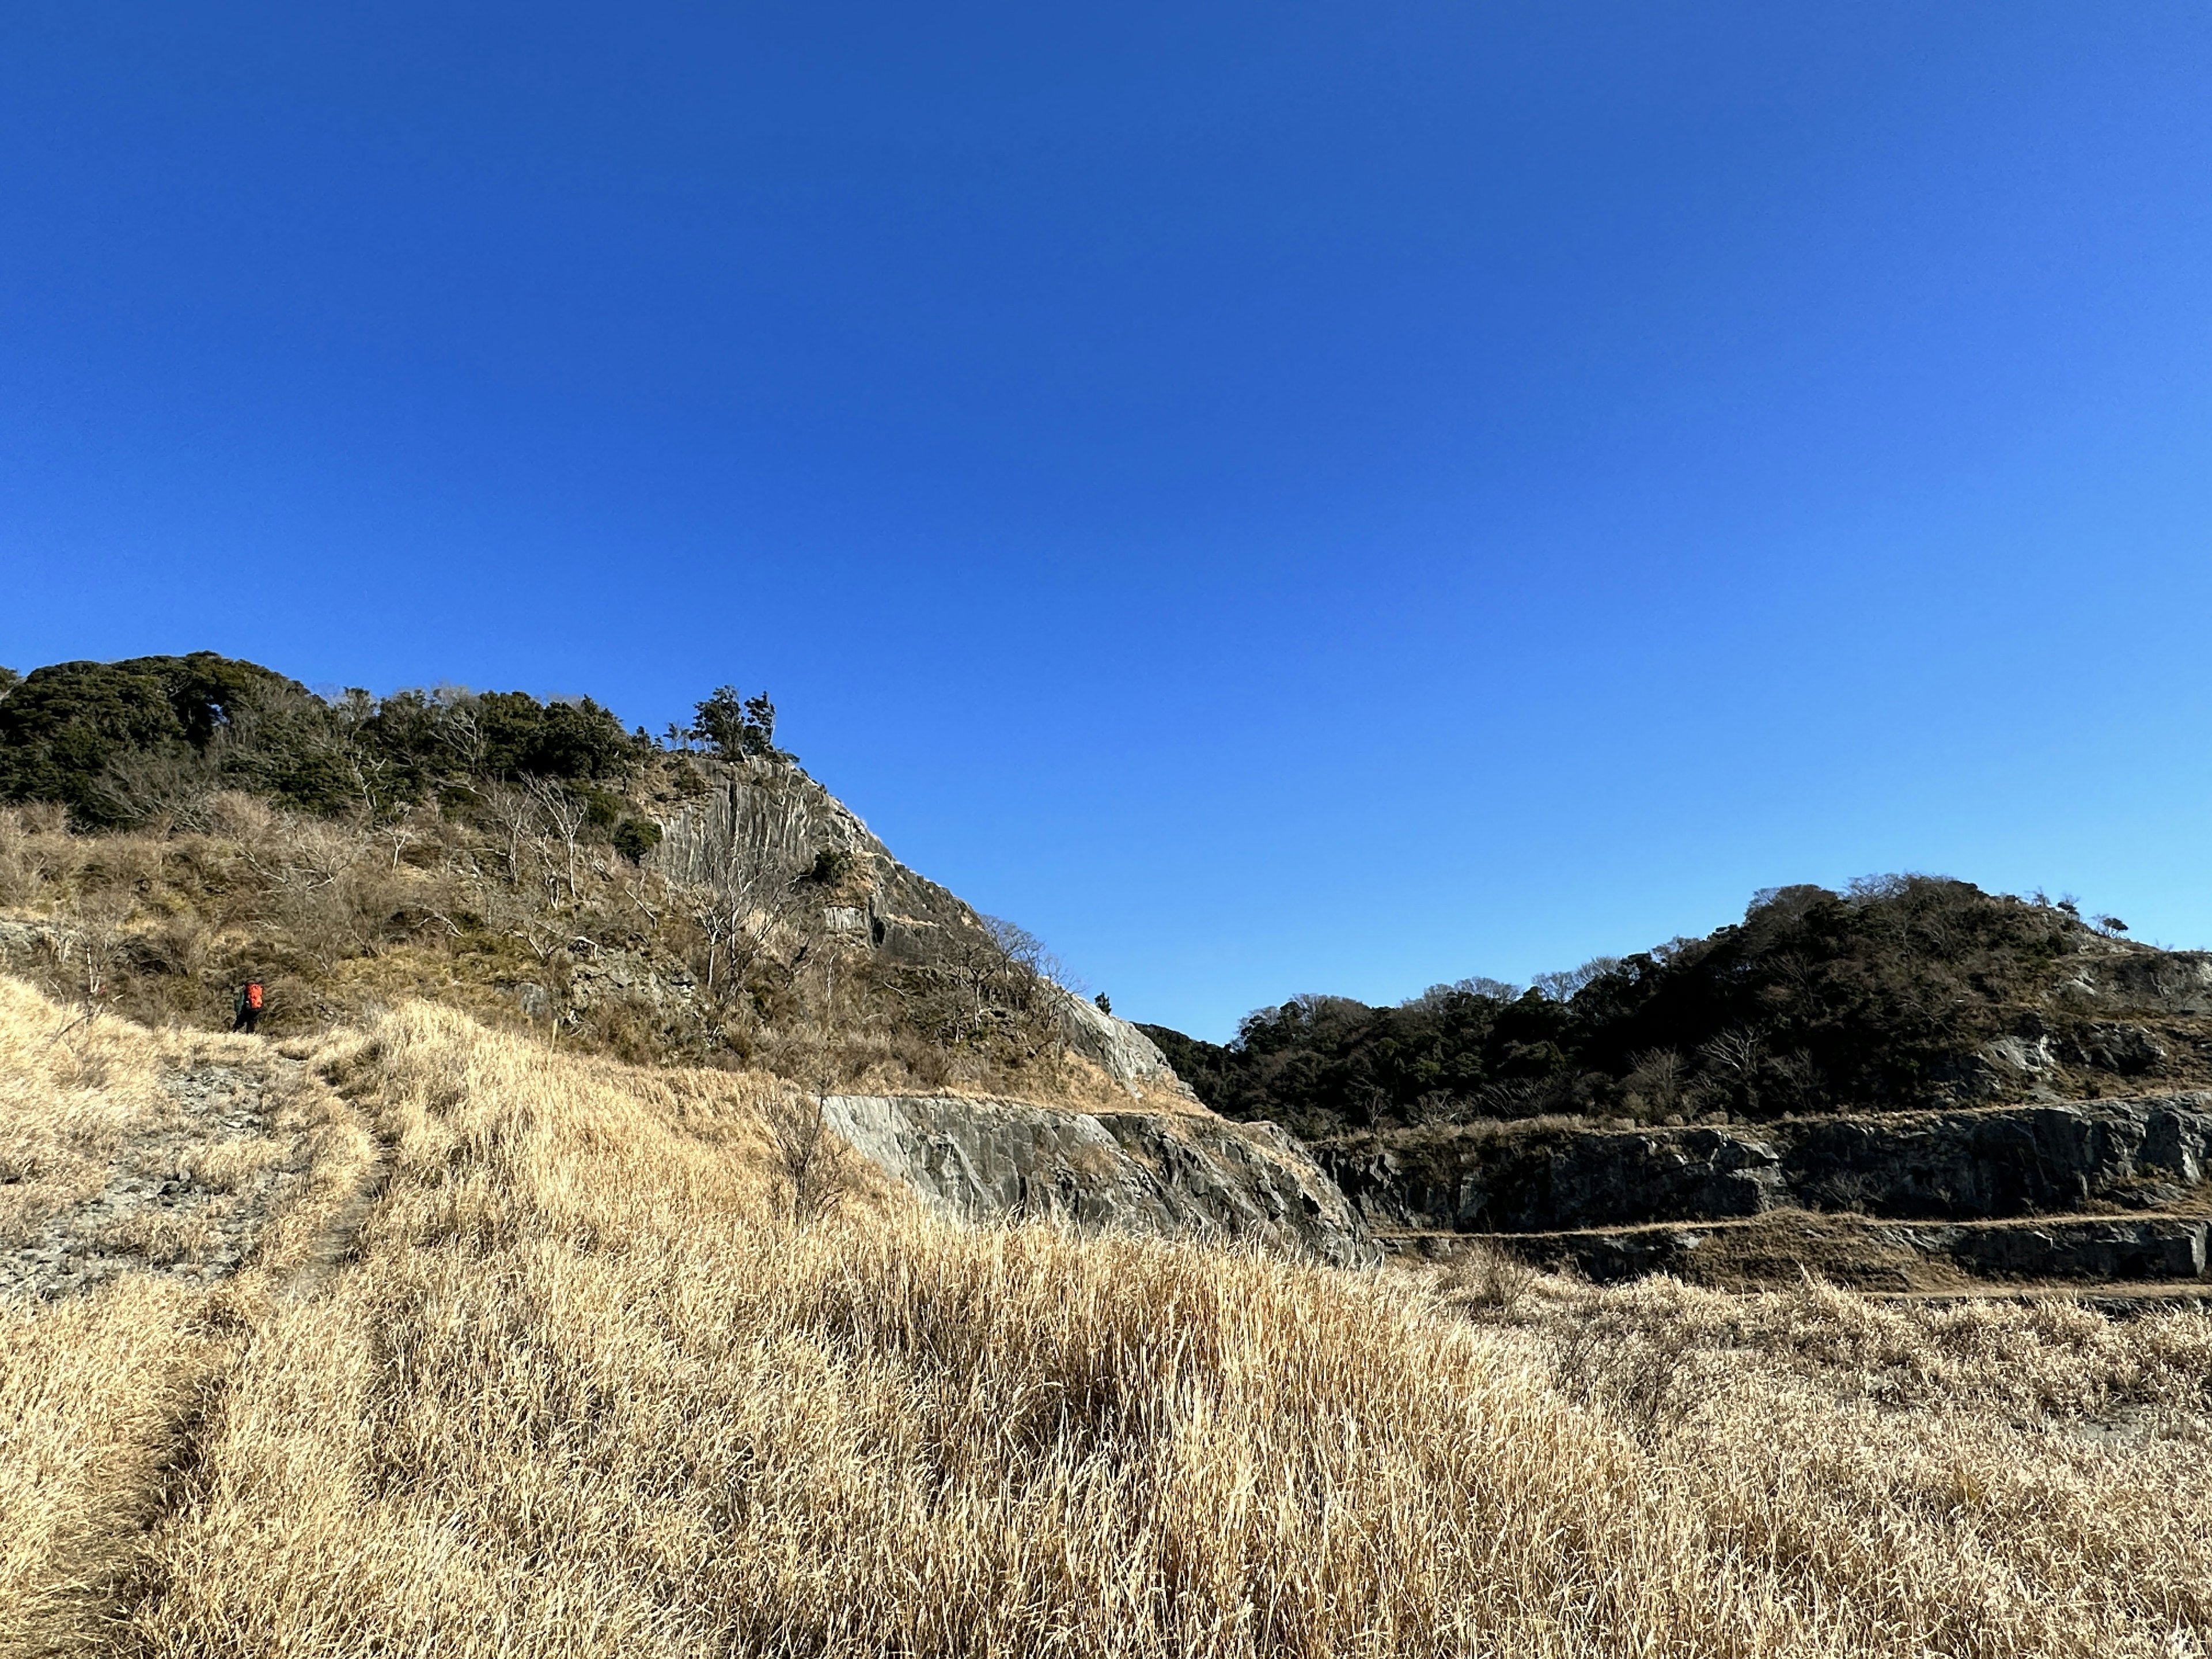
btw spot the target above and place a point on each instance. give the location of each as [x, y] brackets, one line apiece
[735, 726]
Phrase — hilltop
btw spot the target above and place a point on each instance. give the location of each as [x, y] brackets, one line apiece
[183, 823]
[187, 823]
[1913, 1087]
[1902, 993]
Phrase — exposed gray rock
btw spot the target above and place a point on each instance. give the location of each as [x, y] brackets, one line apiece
[2020, 1056]
[1180, 1173]
[2155, 1248]
[22, 942]
[600, 974]
[158, 1196]
[2162, 1248]
[2137, 976]
[756, 834]
[1126, 1054]
[1536, 1181]
[1963, 1165]
[2117, 1046]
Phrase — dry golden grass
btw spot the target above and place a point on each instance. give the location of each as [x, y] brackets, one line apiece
[71, 1090]
[577, 1391]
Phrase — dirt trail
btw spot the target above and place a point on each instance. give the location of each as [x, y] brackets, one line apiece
[190, 1194]
[187, 1197]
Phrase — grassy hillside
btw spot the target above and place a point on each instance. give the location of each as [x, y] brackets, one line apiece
[1881, 998]
[543, 1359]
[182, 825]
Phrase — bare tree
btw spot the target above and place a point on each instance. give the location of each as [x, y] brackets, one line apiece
[1561, 985]
[737, 917]
[565, 813]
[88, 942]
[814, 1159]
[1656, 1076]
[1736, 1059]
[513, 816]
[141, 784]
[454, 721]
[811, 1156]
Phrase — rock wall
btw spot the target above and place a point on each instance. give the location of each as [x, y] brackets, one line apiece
[1173, 1174]
[1966, 1165]
[2156, 1250]
[758, 831]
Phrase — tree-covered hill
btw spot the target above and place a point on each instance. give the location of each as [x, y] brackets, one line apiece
[118, 743]
[1881, 997]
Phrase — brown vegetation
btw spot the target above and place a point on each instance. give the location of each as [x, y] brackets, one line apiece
[521, 910]
[582, 1386]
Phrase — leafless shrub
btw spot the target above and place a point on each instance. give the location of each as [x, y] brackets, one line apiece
[1604, 1355]
[814, 1162]
[1437, 1107]
[240, 817]
[1734, 1062]
[564, 812]
[1483, 1281]
[1561, 985]
[1656, 1080]
[144, 784]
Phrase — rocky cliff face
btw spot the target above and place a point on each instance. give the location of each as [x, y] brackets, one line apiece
[762, 827]
[2134, 1153]
[1179, 1174]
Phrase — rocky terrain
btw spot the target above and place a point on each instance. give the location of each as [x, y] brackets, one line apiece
[2111, 1189]
[1908, 1084]
[187, 1196]
[1186, 1174]
[762, 830]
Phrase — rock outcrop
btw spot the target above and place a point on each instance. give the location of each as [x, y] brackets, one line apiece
[2098, 1250]
[1182, 1174]
[1954, 1166]
[763, 825]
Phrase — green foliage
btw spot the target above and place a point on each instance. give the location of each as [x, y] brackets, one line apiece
[831, 866]
[119, 743]
[634, 837]
[63, 726]
[9, 679]
[603, 808]
[1105, 1004]
[735, 726]
[1870, 999]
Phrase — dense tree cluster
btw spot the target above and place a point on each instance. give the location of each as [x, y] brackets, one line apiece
[120, 743]
[1873, 998]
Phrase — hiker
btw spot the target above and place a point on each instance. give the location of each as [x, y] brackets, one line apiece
[246, 1005]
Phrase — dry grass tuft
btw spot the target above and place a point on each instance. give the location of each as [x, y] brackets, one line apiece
[71, 1090]
[584, 1390]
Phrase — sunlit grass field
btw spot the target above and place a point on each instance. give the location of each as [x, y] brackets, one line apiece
[541, 1364]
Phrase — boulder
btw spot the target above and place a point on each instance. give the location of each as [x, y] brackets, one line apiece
[1183, 1175]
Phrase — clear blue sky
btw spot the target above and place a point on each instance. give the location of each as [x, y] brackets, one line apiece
[1273, 498]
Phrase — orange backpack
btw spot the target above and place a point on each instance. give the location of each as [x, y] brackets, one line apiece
[253, 996]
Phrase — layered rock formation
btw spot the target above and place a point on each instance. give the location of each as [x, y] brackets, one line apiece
[2083, 1191]
[1965, 1165]
[1166, 1166]
[1184, 1174]
[764, 825]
